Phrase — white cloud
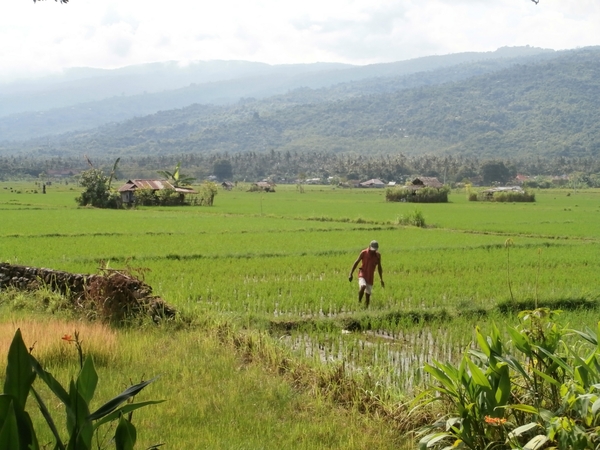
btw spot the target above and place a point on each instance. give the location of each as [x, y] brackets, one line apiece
[48, 36]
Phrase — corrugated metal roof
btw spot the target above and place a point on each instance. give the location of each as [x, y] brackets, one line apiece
[155, 185]
[373, 182]
[505, 189]
[129, 186]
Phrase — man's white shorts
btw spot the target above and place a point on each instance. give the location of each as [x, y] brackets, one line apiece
[368, 287]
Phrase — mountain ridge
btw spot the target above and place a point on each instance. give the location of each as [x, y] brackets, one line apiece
[221, 82]
[506, 109]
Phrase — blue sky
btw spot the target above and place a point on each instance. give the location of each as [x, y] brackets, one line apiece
[47, 37]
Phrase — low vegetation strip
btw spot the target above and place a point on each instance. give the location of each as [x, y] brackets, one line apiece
[389, 320]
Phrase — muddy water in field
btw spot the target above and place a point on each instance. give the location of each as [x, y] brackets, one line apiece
[396, 360]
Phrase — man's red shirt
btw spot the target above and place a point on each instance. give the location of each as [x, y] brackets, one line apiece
[369, 261]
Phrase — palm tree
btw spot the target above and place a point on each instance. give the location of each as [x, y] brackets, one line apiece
[112, 173]
[176, 178]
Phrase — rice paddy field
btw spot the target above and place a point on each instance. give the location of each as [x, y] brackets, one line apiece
[279, 262]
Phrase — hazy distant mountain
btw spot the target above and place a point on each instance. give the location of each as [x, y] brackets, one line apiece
[543, 105]
[84, 85]
[86, 98]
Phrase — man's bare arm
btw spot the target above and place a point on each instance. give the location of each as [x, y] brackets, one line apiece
[353, 268]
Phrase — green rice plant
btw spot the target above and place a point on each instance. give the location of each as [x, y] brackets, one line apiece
[414, 219]
[284, 270]
[16, 427]
[507, 245]
[287, 265]
[537, 277]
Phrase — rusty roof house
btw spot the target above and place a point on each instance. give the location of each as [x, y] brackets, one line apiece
[128, 190]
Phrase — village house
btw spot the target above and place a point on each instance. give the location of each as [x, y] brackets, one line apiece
[264, 185]
[128, 190]
[427, 182]
[520, 179]
[372, 183]
[314, 181]
[489, 193]
[422, 182]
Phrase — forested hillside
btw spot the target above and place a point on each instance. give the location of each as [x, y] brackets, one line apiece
[87, 99]
[544, 109]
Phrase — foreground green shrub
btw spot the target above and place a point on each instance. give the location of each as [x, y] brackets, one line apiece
[534, 391]
[97, 191]
[16, 427]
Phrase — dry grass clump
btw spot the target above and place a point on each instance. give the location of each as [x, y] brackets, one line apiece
[116, 296]
[46, 341]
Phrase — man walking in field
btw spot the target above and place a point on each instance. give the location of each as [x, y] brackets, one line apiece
[370, 258]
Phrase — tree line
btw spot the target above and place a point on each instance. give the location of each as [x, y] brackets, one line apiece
[289, 166]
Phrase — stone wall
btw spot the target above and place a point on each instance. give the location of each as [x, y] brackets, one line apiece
[24, 277]
[77, 287]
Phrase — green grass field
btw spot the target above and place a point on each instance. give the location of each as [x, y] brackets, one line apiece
[263, 260]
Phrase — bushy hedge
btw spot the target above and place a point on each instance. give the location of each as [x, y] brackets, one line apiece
[97, 192]
[504, 197]
[423, 195]
[169, 197]
[145, 197]
[164, 197]
[540, 184]
[206, 194]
